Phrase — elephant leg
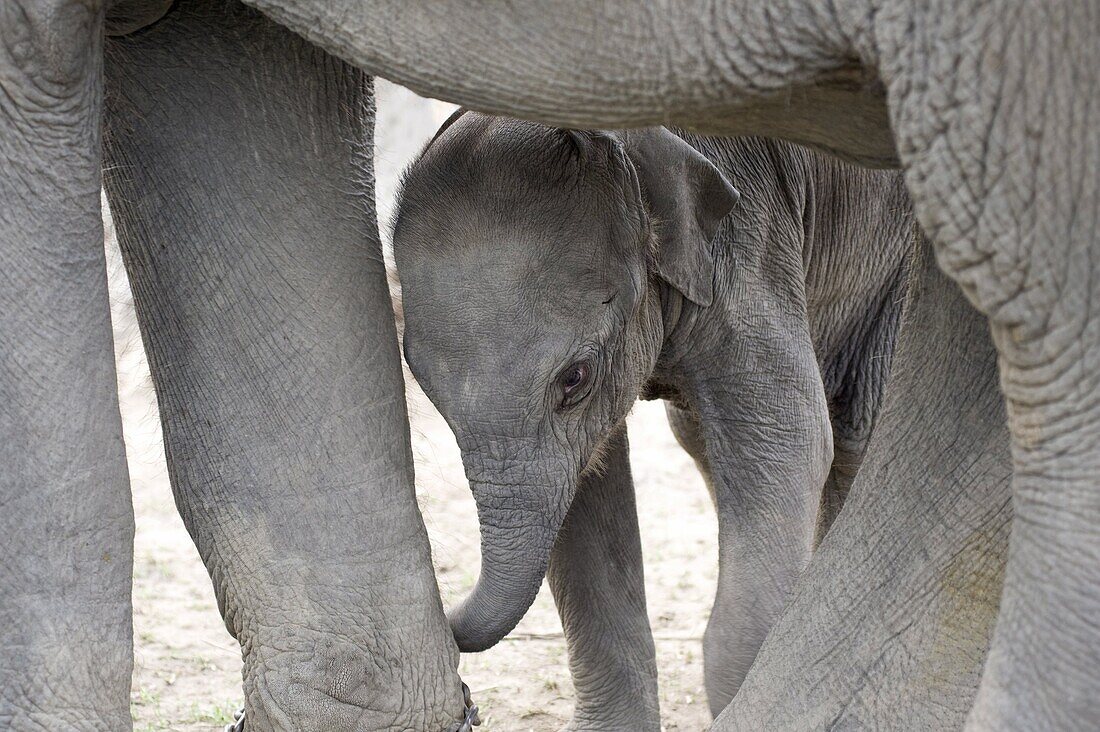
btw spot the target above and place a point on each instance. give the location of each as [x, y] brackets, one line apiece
[765, 424]
[1002, 165]
[241, 183]
[597, 579]
[890, 624]
[66, 521]
[1042, 667]
[685, 428]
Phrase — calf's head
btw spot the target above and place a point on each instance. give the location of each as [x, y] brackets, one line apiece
[531, 262]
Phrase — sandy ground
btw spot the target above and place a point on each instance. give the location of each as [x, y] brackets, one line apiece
[187, 668]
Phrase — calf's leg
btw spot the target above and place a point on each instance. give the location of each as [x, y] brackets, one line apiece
[890, 624]
[762, 417]
[599, 588]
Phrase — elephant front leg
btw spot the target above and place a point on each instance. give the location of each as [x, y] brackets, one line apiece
[765, 426]
[66, 521]
[597, 579]
[241, 185]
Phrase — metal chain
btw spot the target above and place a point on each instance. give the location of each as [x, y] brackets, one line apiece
[471, 719]
[238, 722]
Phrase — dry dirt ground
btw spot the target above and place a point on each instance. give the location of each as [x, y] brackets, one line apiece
[187, 668]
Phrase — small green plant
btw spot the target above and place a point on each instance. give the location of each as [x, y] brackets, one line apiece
[145, 705]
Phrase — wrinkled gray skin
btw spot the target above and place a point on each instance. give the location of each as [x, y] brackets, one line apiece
[527, 252]
[988, 107]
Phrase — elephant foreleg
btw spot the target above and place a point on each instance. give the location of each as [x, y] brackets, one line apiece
[66, 522]
[596, 575]
[240, 178]
[763, 419]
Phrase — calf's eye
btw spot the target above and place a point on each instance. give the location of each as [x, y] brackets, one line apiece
[574, 378]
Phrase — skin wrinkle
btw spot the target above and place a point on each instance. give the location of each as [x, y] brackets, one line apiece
[45, 65]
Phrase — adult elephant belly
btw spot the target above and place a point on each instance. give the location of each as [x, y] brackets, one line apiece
[238, 161]
[127, 16]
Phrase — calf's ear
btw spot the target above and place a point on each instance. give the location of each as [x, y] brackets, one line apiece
[688, 197]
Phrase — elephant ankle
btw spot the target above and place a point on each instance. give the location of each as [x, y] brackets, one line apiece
[308, 680]
[612, 722]
[617, 711]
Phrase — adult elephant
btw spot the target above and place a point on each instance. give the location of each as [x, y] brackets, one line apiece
[986, 105]
[989, 108]
[238, 169]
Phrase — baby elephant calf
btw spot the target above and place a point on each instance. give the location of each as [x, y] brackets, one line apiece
[551, 277]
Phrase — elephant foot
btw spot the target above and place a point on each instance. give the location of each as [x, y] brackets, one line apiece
[469, 720]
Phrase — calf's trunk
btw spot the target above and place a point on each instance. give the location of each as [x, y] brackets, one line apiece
[518, 529]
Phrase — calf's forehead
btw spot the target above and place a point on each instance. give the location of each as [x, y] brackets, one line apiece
[507, 296]
[508, 261]
[501, 256]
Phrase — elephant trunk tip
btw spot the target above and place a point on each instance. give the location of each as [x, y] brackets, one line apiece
[491, 612]
[472, 637]
[483, 619]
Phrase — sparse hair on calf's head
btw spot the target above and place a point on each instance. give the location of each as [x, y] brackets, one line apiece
[485, 167]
